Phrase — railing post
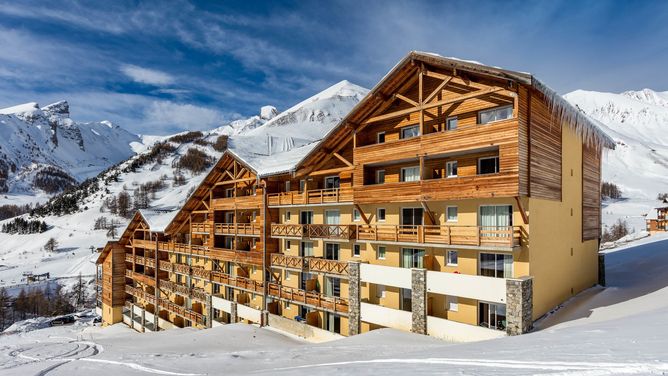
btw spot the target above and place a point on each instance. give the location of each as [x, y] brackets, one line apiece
[448, 234]
[479, 234]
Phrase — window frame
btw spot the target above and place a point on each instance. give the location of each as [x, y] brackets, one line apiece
[448, 120]
[402, 175]
[447, 214]
[378, 214]
[451, 301]
[378, 253]
[403, 129]
[356, 215]
[359, 250]
[448, 259]
[447, 169]
[496, 165]
[494, 109]
[378, 173]
[378, 135]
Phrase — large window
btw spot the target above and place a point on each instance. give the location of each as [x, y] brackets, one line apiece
[410, 173]
[306, 249]
[306, 218]
[488, 165]
[411, 216]
[332, 286]
[412, 131]
[492, 316]
[380, 177]
[496, 265]
[494, 218]
[495, 114]
[332, 182]
[331, 251]
[412, 258]
[333, 323]
[451, 169]
[332, 217]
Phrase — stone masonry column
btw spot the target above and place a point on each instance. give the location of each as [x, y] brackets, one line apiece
[233, 313]
[519, 305]
[354, 300]
[143, 319]
[601, 269]
[419, 300]
[209, 311]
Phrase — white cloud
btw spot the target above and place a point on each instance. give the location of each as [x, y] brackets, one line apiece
[147, 76]
[166, 115]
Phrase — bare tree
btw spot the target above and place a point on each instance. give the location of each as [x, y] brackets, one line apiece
[124, 204]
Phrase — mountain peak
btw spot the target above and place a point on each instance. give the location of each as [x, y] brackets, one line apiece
[21, 108]
[58, 108]
[268, 112]
[648, 96]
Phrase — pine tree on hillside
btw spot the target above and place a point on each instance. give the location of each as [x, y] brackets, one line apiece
[51, 245]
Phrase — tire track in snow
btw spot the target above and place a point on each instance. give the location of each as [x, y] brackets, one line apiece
[562, 368]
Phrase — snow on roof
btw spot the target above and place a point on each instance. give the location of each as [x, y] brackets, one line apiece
[157, 220]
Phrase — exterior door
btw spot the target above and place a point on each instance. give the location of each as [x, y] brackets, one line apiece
[494, 218]
[306, 218]
[492, 315]
[412, 216]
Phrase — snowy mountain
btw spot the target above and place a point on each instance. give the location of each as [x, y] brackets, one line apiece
[638, 121]
[295, 129]
[44, 150]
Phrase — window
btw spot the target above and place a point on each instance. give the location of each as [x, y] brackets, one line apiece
[287, 304]
[451, 123]
[380, 137]
[229, 242]
[229, 217]
[495, 218]
[287, 275]
[411, 216]
[305, 277]
[287, 216]
[410, 173]
[380, 177]
[412, 131]
[496, 265]
[488, 165]
[452, 304]
[495, 114]
[286, 246]
[332, 286]
[380, 252]
[332, 217]
[332, 182]
[332, 322]
[405, 300]
[302, 185]
[287, 186]
[229, 192]
[331, 251]
[412, 258]
[356, 215]
[306, 249]
[451, 258]
[381, 214]
[306, 218]
[357, 250]
[380, 291]
[451, 169]
[492, 316]
[451, 213]
[216, 288]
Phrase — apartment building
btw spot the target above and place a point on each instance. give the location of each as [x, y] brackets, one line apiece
[658, 221]
[456, 199]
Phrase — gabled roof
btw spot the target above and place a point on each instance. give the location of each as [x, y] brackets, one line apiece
[584, 126]
[105, 251]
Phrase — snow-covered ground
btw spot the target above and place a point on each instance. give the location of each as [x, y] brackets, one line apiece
[617, 330]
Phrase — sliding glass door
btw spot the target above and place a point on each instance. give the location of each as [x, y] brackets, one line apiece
[491, 315]
[495, 219]
[496, 265]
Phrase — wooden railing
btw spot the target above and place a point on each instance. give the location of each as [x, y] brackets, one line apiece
[241, 202]
[182, 311]
[203, 227]
[238, 228]
[343, 232]
[194, 292]
[244, 257]
[240, 282]
[148, 244]
[286, 261]
[315, 299]
[327, 266]
[507, 236]
[310, 197]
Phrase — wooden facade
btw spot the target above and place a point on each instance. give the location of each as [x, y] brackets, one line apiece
[434, 135]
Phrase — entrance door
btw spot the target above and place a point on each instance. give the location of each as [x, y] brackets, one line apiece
[495, 218]
[306, 218]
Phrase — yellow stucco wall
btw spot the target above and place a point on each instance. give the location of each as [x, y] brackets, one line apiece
[111, 315]
[555, 230]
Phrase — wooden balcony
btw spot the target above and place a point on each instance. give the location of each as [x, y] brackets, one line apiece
[239, 282]
[311, 197]
[141, 278]
[194, 293]
[239, 202]
[338, 232]
[140, 294]
[146, 244]
[310, 298]
[286, 261]
[238, 229]
[200, 228]
[186, 313]
[222, 254]
[442, 235]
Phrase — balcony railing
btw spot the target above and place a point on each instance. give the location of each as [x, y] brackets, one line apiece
[244, 257]
[238, 228]
[202, 228]
[311, 264]
[286, 261]
[341, 232]
[236, 281]
[195, 293]
[505, 236]
[315, 299]
[310, 197]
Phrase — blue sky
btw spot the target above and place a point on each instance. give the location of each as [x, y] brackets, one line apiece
[161, 67]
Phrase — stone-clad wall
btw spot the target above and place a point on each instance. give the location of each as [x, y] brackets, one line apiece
[519, 305]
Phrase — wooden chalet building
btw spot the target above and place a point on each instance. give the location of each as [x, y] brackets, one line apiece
[660, 223]
[456, 199]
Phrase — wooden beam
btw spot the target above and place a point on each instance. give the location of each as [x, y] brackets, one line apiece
[241, 172]
[230, 175]
[405, 99]
[429, 213]
[525, 217]
[331, 171]
[337, 155]
[438, 89]
[364, 217]
[427, 106]
[234, 181]
[206, 205]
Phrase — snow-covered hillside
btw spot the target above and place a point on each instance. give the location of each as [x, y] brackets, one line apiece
[295, 129]
[638, 121]
[618, 330]
[42, 148]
